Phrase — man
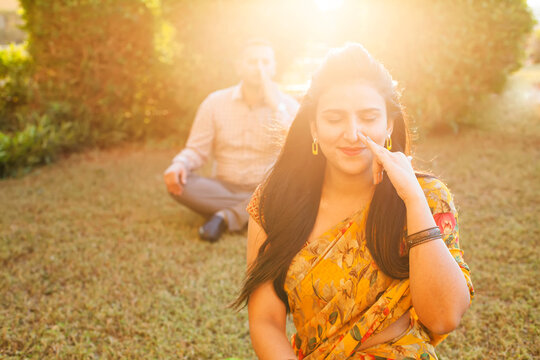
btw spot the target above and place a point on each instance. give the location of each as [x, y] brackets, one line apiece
[237, 126]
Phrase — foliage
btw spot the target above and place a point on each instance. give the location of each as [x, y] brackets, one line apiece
[97, 60]
[447, 55]
[36, 144]
[128, 69]
[96, 70]
[29, 137]
[15, 85]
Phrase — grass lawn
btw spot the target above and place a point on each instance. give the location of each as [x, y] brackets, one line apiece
[98, 262]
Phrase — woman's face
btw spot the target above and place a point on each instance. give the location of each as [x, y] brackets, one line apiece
[342, 111]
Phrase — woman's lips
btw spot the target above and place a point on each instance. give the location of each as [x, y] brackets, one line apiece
[352, 151]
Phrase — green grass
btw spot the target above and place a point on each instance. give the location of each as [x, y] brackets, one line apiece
[96, 261]
[495, 180]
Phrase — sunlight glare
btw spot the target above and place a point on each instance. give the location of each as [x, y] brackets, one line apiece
[329, 5]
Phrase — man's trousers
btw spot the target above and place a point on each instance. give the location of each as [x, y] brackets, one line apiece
[207, 196]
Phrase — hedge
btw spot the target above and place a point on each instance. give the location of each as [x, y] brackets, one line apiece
[97, 59]
[127, 69]
[447, 55]
[124, 64]
[15, 85]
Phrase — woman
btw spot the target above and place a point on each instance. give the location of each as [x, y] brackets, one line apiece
[346, 237]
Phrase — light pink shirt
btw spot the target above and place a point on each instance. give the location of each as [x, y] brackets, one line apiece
[243, 140]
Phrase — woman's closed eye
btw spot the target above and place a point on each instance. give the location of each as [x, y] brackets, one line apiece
[333, 115]
[333, 118]
[368, 116]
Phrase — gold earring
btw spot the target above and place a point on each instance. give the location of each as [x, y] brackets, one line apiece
[315, 147]
[388, 143]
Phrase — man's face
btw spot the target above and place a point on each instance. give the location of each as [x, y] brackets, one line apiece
[256, 61]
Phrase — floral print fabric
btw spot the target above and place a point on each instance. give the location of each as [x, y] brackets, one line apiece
[339, 298]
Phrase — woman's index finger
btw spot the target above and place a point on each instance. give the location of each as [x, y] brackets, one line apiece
[372, 145]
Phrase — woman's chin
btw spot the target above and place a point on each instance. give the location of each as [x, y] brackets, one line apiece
[351, 171]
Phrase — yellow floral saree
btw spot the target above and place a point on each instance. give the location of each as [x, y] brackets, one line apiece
[339, 298]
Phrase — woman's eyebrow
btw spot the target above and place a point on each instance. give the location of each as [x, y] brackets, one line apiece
[336, 111]
[369, 110]
[362, 111]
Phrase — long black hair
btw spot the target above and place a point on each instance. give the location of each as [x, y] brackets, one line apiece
[290, 197]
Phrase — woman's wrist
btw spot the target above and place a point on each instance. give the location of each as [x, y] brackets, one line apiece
[416, 199]
[419, 215]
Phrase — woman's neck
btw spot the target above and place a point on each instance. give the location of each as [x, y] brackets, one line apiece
[342, 187]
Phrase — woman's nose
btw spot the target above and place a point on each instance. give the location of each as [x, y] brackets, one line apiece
[351, 132]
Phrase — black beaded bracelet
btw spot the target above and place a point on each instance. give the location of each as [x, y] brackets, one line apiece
[423, 236]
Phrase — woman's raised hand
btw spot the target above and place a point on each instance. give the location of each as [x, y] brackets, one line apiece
[398, 168]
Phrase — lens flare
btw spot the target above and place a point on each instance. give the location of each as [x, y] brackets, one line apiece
[328, 5]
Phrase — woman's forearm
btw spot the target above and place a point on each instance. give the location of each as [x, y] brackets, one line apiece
[439, 292]
[270, 342]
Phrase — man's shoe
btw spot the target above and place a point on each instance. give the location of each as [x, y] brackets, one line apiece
[212, 230]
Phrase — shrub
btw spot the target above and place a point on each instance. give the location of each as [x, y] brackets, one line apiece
[15, 85]
[130, 68]
[447, 55]
[38, 143]
[126, 69]
[94, 73]
[97, 60]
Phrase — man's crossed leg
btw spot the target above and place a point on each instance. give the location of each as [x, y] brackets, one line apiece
[225, 204]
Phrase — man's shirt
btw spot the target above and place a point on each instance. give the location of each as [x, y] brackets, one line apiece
[243, 140]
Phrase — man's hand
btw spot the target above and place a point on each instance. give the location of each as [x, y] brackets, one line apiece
[270, 89]
[175, 178]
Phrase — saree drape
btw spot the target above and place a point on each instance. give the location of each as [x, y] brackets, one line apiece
[338, 297]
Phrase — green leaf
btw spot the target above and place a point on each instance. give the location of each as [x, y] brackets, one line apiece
[297, 341]
[312, 343]
[333, 317]
[355, 333]
[373, 279]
